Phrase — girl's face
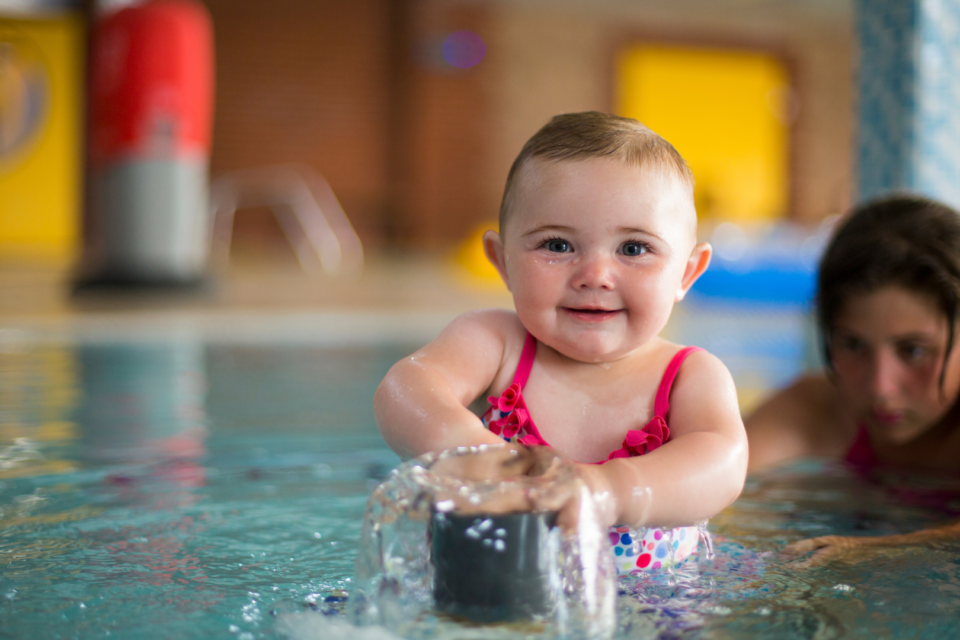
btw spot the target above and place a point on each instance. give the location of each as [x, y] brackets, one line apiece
[595, 253]
[888, 350]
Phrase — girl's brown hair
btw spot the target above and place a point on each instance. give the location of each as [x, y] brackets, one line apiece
[903, 240]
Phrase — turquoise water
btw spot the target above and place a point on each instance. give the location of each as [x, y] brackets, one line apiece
[176, 488]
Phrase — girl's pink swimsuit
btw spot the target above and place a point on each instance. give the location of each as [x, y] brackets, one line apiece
[634, 549]
[863, 459]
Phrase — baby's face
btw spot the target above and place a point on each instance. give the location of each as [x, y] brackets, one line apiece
[596, 252]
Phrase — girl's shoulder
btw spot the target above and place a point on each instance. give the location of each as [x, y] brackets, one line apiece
[805, 418]
[811, 401]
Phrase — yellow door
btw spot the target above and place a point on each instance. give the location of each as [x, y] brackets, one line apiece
[727, 112]
[40, 124]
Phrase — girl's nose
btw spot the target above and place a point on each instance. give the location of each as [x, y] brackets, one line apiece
[885, 375]
[594, 272]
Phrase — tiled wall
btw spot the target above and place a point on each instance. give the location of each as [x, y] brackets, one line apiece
[909, 81]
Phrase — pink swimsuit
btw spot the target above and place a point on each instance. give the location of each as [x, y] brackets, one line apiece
[863, 459]
[634, 549]
[861, 453]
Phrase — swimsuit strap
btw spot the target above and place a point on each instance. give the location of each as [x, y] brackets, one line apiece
[861, 452]
[661, 403]
[526, 361]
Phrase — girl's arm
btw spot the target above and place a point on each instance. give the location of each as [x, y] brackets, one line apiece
[853, 549]
[421, 404]
[800, 420]
[698, 472]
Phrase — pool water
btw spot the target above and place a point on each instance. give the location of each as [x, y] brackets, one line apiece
[178, 487]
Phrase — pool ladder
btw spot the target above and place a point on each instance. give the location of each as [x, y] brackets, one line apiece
[305, 207]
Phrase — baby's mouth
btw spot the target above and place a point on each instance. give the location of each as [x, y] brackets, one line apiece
[591, 313]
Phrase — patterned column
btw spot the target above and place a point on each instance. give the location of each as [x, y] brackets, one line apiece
[909, 135]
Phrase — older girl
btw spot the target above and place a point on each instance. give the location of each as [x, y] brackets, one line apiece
[887, 308]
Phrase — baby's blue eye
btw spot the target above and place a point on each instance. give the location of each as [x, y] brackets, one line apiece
[633, 249]
[557, 246]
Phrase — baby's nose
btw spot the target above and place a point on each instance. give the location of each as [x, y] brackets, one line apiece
[594, 272]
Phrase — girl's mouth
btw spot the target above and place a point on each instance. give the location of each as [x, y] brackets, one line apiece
[887, 418]
[587, 314]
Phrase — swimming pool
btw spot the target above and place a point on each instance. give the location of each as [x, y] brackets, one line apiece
[184, 483]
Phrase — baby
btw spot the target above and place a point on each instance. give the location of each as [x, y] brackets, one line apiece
[597, 242]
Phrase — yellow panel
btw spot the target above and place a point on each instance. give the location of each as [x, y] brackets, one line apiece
[40, 127]
[726, 113]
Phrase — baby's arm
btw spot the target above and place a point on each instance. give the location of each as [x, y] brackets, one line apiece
[699, 471]
[421, 404]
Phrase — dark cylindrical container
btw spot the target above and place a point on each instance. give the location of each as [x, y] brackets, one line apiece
[492, 567]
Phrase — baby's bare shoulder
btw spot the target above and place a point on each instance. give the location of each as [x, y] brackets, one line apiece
[492, 323]
[702, 367]
[483, 335]
[704, 398]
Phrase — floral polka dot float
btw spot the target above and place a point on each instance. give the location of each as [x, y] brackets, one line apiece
[637, 550]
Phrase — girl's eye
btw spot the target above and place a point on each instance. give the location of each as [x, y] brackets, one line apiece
[850, 344]
[633, 249]
[556, 245]
[912, 351]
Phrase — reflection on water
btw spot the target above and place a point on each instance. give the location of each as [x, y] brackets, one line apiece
[37, 397]
[181, 490]
[142, 401]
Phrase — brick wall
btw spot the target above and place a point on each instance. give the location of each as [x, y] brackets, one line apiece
[305, 81]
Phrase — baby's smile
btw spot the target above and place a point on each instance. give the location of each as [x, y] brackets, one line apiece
[591, 314]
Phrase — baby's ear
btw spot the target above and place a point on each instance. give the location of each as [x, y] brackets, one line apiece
[697, 263]
[493, 247]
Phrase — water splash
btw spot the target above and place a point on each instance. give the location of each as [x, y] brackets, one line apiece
[704, 532]
[397, 578]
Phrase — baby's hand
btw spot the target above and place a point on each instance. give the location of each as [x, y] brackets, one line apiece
[488, 463]
[588, 497]
[515, 478]
[486, 474]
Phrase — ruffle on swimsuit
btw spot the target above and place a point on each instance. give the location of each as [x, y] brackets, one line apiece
[634, 549]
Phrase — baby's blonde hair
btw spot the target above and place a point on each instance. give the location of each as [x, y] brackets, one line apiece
[591, 134]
